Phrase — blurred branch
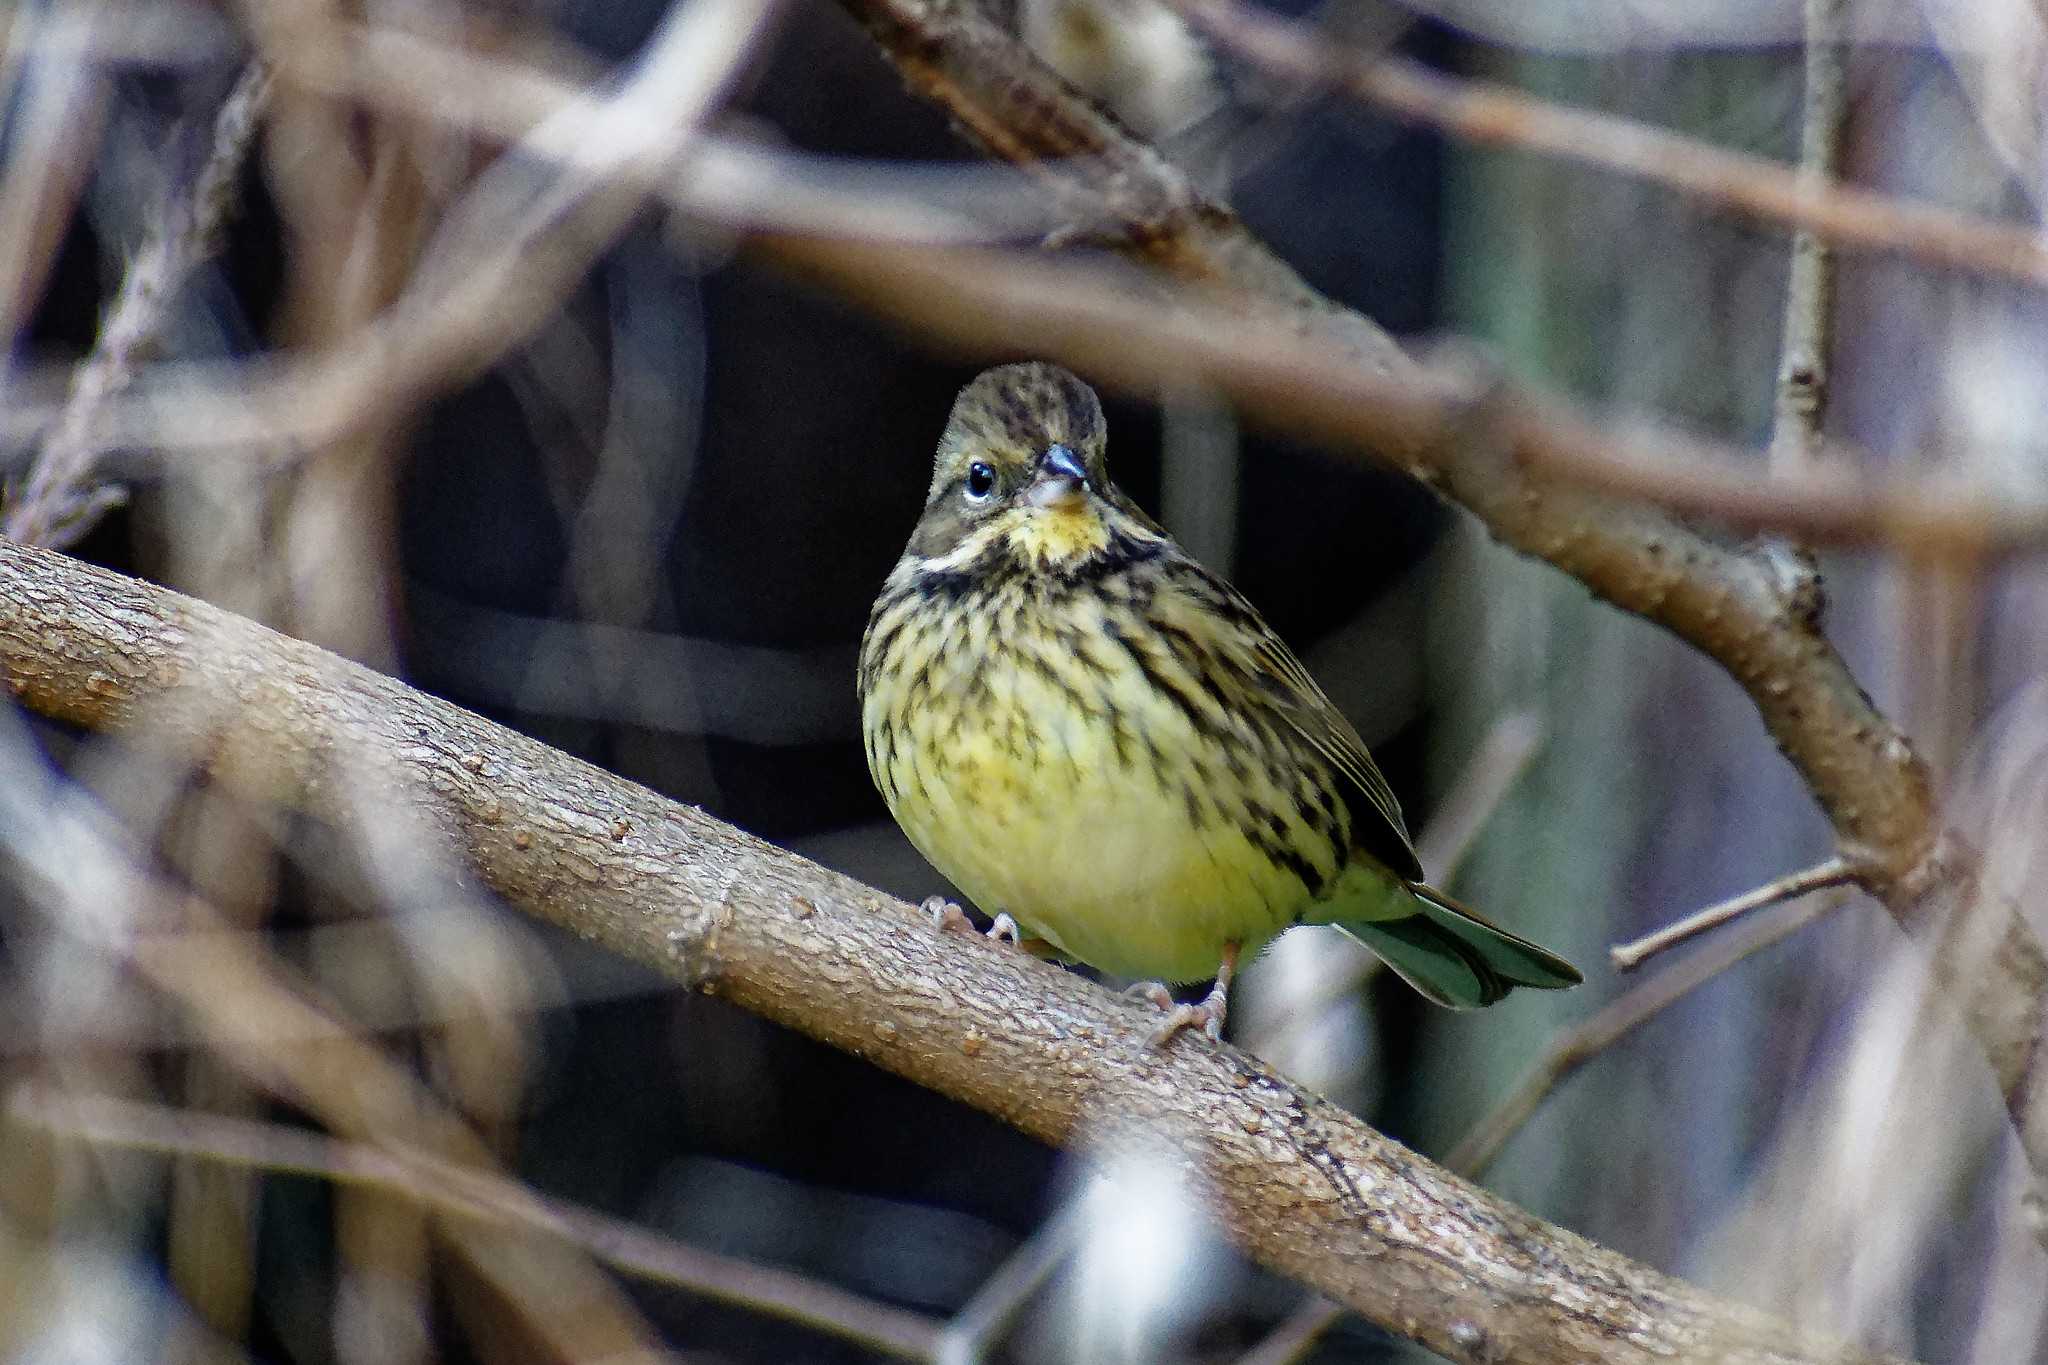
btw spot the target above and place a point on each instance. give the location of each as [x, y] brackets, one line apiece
[1626, 957]
[1475, 794]
[471, 1194]
[1302, 1186]
[1578, 1045]
[1490, 114]
[1803, 363]
[59, 502]
[974, 1331]
[273, 1030]
[53, 105]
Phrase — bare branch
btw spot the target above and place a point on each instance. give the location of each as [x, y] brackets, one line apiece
[1626, 957]
[983, 1319]
[1296, 1336]
[1300, 1185]
[58, 108]
[1477, 791]
[1576, 1046]
[1489, 114]
[1810, 288]
[472, 1194]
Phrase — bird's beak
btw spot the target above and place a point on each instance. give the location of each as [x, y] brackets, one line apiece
[1061, 481]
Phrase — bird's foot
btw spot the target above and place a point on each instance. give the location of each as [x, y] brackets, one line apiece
[947, 916]
[1152, 991]
[1206, 1016]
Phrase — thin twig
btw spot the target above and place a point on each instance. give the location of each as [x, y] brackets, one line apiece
[59, 502]
[1296, 1335]
[471, 1193]
[1810, 288]
[1576, 1046]
[1489, 114]
[984, 1318]
[1626, 957]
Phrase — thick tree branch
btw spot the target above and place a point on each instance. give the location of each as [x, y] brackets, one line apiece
[1301, 1185]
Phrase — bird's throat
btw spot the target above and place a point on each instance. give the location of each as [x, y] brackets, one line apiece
[1059, 537]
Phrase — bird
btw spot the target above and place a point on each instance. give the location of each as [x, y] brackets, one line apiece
[1106, 748]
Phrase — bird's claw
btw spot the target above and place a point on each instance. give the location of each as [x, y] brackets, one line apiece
[1153, 991]
[1207, 1016]
[946, 915]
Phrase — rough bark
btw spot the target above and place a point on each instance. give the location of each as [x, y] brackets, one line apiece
[1300, 1185]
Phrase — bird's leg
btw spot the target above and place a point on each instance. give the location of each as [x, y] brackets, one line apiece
[1208, 1016]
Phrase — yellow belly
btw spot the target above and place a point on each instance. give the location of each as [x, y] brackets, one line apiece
[1126, 851]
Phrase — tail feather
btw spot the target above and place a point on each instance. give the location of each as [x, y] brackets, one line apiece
[1454, 957]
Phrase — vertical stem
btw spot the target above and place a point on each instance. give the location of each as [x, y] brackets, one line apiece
[1810, 292]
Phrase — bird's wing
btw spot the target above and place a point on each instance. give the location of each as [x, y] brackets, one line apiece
[1376, 823]
[1285, 685]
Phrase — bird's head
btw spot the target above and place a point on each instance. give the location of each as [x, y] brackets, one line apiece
[1021, 472]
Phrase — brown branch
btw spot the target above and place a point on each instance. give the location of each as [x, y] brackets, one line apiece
[1803, 361]
[477, 1195]
[1299, 1184]
[1626, 957]
[1489, 114]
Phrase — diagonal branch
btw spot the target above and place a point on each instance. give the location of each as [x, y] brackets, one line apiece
[1299, 1184]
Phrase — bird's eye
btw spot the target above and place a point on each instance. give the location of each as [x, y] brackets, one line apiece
[981, 481]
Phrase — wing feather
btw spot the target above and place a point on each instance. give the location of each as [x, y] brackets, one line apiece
[1284, 685]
